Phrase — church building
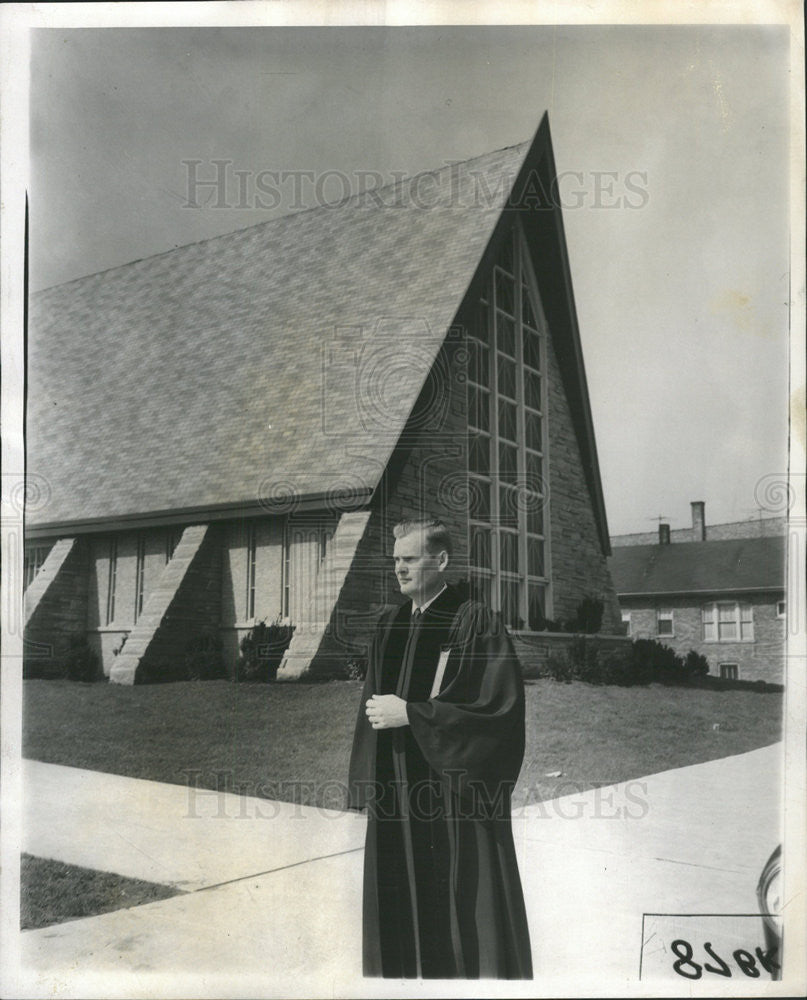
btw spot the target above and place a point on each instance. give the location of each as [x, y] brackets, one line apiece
[226, 433]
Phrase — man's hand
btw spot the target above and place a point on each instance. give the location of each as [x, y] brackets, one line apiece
[386, 711]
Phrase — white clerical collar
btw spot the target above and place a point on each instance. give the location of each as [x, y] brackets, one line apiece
[423, 607]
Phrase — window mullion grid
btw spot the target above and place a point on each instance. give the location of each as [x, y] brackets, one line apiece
[521, 435]
[140, 569]
[284, 590]
[493, 381]
[526, 279]
[475, 571]
[111, 580]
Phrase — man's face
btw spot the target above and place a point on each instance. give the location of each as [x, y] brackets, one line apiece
[419, 572]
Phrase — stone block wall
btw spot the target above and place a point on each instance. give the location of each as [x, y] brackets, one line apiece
[578, 567]
[426, 475]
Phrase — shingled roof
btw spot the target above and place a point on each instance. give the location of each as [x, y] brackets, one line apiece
[280, 359]
[731, 566]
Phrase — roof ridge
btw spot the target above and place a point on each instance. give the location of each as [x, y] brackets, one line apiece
[658, 546]
[330, 206]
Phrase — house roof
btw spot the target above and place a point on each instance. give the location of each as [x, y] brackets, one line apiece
[279, 360]
[731, 566]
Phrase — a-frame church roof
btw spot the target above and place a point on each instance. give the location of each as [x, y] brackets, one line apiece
[280, 359]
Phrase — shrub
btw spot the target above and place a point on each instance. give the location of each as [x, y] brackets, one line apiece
[262, 650]
[582, 658]
[558, 667]
[696, 665]
[587, 619]
[642, 662]
[356, 668]
[160, 670]
[588, 616]
[203, 658]
[615, 666]
[659, 662]
[81, 663]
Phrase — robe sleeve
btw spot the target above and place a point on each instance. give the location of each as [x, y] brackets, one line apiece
[361, 776]
[472, 731]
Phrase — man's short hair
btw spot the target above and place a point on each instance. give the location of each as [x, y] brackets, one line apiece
[437, 535]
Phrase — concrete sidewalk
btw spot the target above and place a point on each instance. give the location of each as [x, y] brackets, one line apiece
[274, 906]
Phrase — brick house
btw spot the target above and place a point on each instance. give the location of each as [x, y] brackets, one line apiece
[718, 590]
[226, 433]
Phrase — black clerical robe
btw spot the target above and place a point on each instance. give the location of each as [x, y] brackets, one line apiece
[442, 894]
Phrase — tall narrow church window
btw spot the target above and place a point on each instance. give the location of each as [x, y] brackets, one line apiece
[171, 542]
[111, 580]
[286, 587]
[140, 574]
[252, 550]
[506, 441]
[34, 559]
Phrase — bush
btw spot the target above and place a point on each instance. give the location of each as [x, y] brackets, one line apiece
[696, 665]
[583, 660]
[262, 650]
[658, 662]
[616, 666]
[559, 668]
[160, 670]
[588, 617]
[81, 663]
[645, 661]
[203, 659]
[200, 660]
[356, 668]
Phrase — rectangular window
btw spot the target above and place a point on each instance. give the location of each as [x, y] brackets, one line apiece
[140, 573]
[727, 624]
[171, 542]
[729, 671]
[251, 557]
[537, 606]
[111, 580]
[34, 559]
[781, 609]
[709, 623]
[507, 540]
[746, 623]
[664, 621]
[286, 569]
[626, 621]
[728, 621]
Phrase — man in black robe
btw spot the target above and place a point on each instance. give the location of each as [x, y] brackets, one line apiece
[438, 746]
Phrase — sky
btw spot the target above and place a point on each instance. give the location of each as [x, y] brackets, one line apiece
[673, 146]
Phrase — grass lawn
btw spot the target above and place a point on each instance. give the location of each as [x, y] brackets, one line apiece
[52, 892]
[287, 740]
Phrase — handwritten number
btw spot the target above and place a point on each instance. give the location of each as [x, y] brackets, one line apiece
[689, 969]
[723, 969]
[767, 960]
[685, 959]
[746, 962]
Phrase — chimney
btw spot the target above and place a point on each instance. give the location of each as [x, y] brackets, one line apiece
[664, 534]
[698, 520]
